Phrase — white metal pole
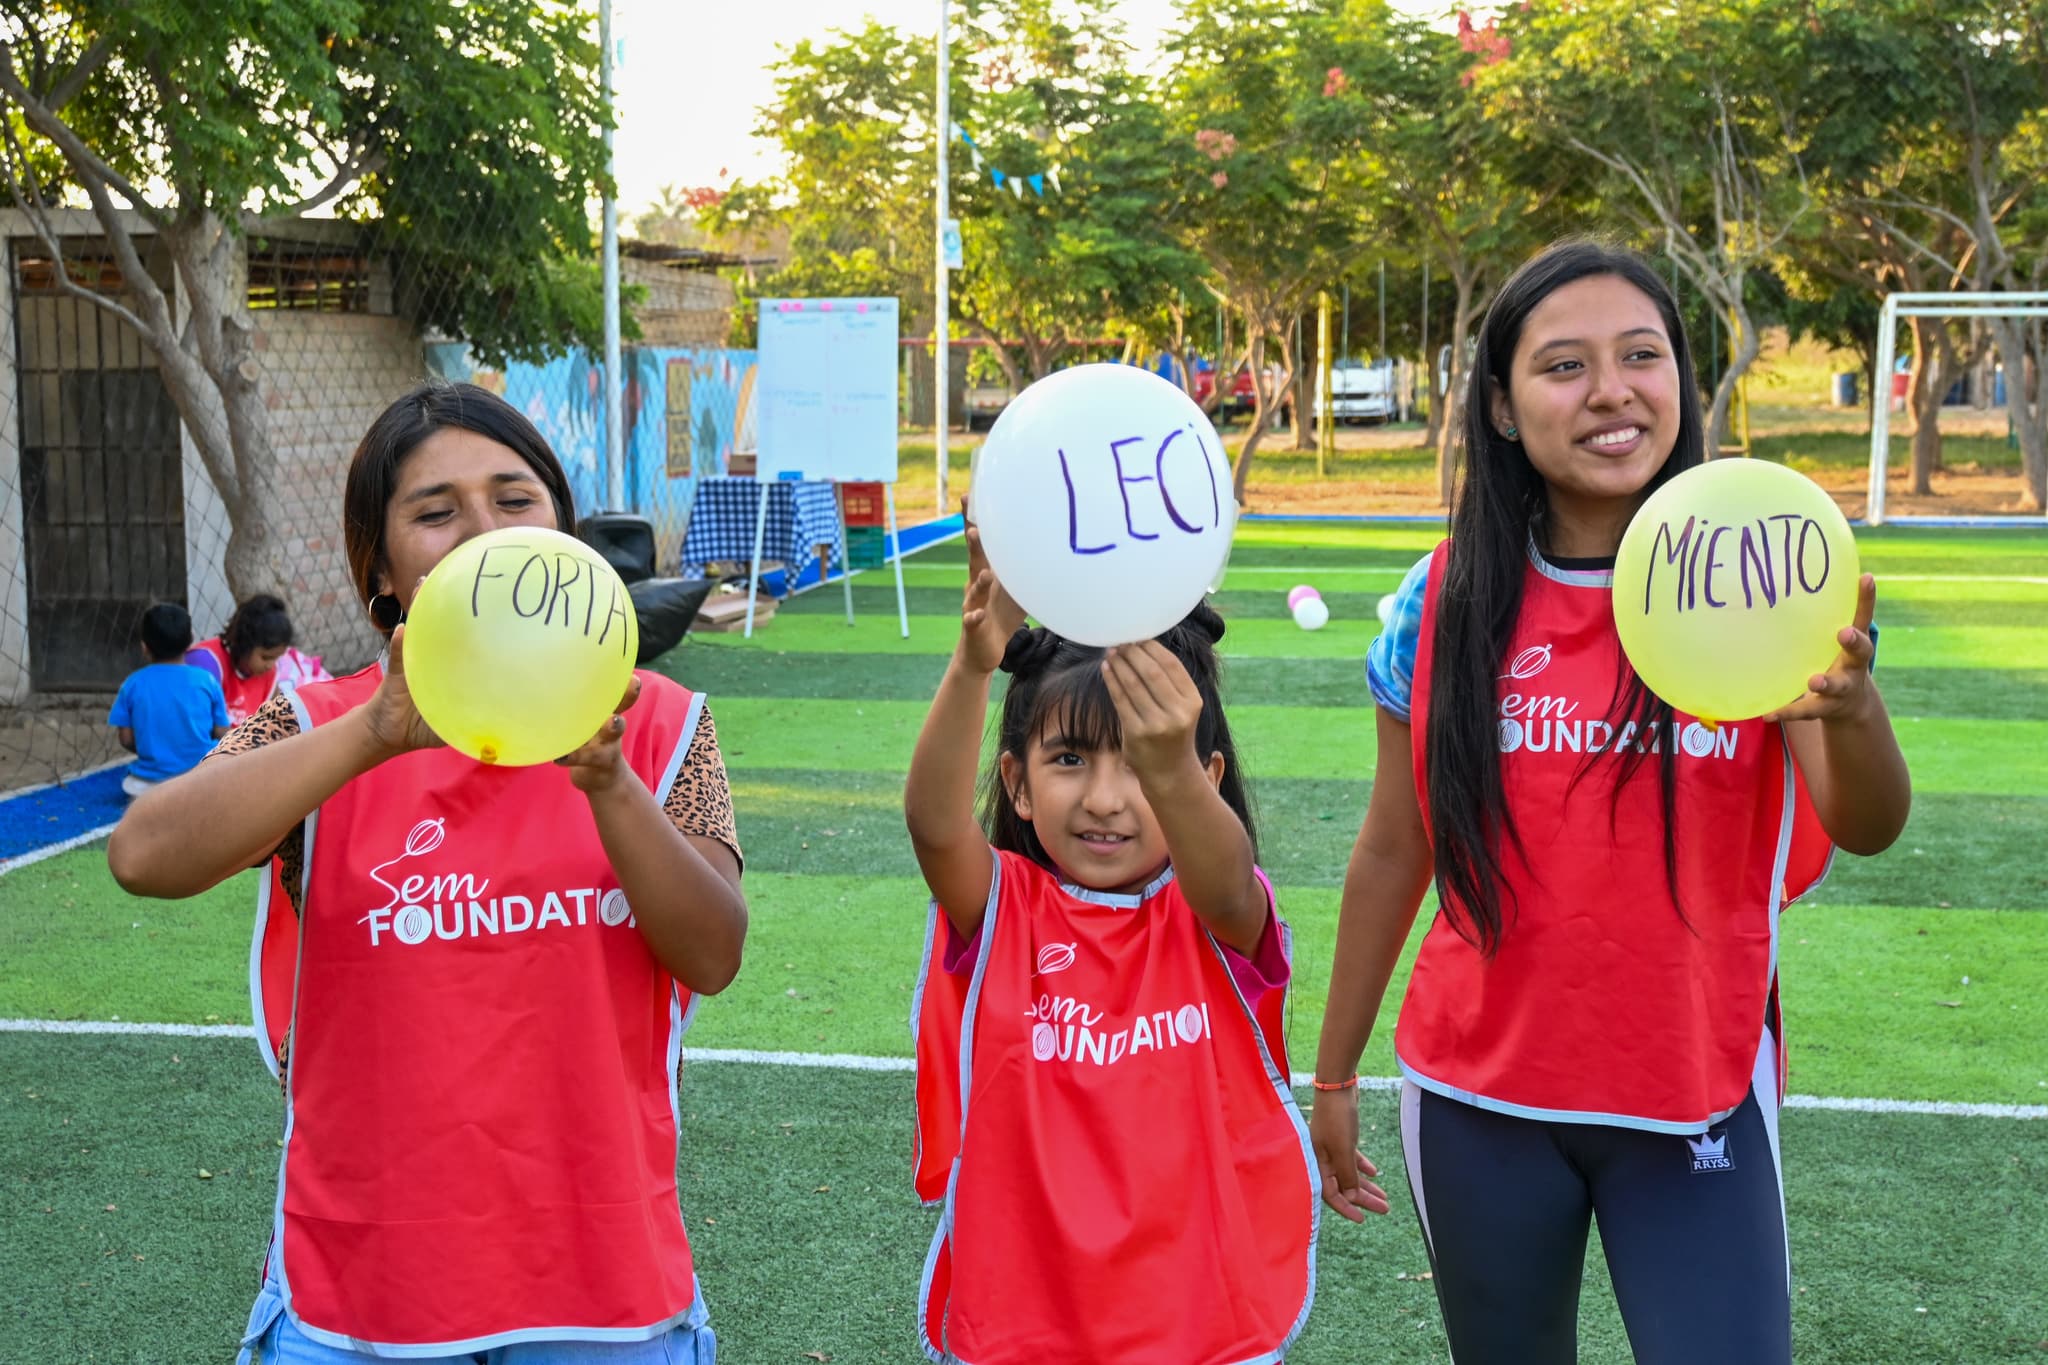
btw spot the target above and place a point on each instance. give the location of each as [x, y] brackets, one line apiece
[941, 303]
[845, 554]
[895, 543]
[1967, 296]
[1383, 308]
[760, 540]
[1881, 410]
[1428, 361]
[614, 426]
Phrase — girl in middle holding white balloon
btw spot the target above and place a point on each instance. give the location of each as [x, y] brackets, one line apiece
[1103, 1100]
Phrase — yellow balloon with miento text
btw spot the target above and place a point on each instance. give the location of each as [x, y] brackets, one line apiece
[519, 645]
[1731, 585]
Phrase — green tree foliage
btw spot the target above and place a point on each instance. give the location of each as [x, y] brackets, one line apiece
[1051, 95]
[1273, 195]
[461, 139]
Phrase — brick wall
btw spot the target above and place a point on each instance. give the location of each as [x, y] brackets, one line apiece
[681, 307]
[326, 377]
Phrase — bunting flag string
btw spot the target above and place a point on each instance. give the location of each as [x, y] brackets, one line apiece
[1038, 180]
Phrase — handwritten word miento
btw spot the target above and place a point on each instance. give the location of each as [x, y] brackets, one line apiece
[1772, 557]
[549, 581]
[1172, 456]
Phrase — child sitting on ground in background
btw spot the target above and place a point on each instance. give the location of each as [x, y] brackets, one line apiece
[168, 715]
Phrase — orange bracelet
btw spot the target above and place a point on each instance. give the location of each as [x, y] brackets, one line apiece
[1333, 1085]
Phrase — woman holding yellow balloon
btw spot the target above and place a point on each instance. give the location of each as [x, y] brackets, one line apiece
[493, 965]
[1592, 1026]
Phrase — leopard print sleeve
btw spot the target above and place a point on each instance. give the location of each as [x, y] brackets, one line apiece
[273, 721]
[700, 801]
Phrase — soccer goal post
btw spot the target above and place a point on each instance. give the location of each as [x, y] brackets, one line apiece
[1908, 305]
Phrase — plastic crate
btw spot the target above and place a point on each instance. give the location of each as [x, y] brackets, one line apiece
[862, 504]
[867, 547]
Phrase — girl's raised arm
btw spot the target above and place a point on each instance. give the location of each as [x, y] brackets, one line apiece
[938, 799]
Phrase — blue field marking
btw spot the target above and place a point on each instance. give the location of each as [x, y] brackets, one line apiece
[43, 816]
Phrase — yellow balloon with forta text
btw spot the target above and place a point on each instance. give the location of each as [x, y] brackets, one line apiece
[519, 645]
[1731, 585]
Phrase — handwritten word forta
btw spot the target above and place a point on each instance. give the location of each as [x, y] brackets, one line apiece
[548, 582]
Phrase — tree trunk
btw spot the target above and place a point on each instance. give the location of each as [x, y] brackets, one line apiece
[1295, 358]
[1013, 370]
[1930, 382]
[2020, 344]
[1178, 348]
[1724, 392]
[1265, 395]
[1226, 375]
[1979, 356]
[1433, 432]
[215, 382]
[1450, 438]
[1038, 355]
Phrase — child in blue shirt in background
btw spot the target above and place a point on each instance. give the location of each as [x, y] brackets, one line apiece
[167, 713]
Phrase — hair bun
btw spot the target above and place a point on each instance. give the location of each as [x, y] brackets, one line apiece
[1193, 641]
[1030, 649]
[1203, 626]
[1207, 620]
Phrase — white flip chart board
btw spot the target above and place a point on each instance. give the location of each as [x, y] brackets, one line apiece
[827, 389]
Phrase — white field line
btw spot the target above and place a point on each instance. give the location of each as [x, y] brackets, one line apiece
[846, 1061]
[1305, 572]
[64, 781]
[36, 855]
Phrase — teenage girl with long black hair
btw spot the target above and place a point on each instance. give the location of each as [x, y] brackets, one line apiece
[1592, 1025]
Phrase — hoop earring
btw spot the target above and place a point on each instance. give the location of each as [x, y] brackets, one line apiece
[385, 613]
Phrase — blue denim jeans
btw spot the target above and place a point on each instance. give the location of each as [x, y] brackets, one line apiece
[274, 1339]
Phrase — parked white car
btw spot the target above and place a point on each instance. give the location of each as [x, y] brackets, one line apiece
[986, 401]
[1360, 392]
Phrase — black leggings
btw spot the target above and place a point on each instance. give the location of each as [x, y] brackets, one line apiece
[1694, 1234]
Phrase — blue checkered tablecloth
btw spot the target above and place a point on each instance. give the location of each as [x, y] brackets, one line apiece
[801, 517]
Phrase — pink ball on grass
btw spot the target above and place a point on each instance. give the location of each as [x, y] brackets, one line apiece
[1300, 591]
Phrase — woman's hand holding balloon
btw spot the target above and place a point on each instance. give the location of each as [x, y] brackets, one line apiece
[393, 722]
[1845, 689]
[600, 764]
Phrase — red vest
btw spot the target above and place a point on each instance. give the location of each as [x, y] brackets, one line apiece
[244, 695]
[273, 965]
[481, 1130]
[1602, 1004]
[1128, 1178]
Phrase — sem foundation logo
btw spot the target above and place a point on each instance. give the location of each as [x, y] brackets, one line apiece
[1055, 957]
[1710, 1153]
[457, 905]
[1065, 1029]
[1562, 734]
[1527, 664]
[1548, 722]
